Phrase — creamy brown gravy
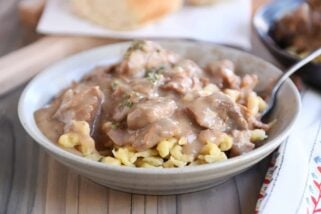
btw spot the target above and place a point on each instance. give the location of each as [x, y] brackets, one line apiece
[151, 95]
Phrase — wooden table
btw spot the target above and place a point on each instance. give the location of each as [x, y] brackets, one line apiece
[33, 182]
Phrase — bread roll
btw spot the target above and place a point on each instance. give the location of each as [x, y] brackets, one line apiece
[124, 14]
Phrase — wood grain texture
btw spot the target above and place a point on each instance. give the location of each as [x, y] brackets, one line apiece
[33, 182]
[10, 29]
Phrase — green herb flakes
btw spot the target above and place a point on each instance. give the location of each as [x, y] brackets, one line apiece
[114, 85]
[126, 102]
[136, 45]
[114, 125]
[154, 74]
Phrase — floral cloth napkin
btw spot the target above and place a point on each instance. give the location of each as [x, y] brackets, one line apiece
[293, 181]
[226, 22]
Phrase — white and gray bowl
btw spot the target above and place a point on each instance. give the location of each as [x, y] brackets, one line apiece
[156, 180]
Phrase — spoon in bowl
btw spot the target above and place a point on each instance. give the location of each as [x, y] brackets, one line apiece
[274, 92]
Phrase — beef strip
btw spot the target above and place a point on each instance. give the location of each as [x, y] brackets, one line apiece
[208, 135]
[121, 112]
[118, 136]
[183, 77]
[144, 87]
[123, 101]
[152, 134]
[242, 143]
[150, 111]
[193, 145]
[143, 55]
[80, 103]
[217, 112]
[223, 75]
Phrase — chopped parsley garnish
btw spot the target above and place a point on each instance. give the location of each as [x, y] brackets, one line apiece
[154, 74]
[136, 45]
[114, 85]
[114, 125]
[126, 102]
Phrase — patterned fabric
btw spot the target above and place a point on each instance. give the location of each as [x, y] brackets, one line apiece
[293, 180]
[312, 197]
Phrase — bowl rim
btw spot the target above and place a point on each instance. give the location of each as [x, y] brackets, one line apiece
[71, 157]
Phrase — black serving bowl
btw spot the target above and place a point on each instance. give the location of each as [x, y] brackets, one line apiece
[264, 22]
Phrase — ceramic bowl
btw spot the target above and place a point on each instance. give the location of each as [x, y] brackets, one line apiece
[264, 22]
[155, 180]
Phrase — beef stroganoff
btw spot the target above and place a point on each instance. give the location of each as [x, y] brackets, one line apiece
[157, 109]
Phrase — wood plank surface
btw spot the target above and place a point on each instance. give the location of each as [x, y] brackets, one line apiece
[33, 182]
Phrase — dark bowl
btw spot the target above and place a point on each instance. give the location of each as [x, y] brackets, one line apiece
[264, 22]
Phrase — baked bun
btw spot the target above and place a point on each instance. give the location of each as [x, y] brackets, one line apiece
[124, 14]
